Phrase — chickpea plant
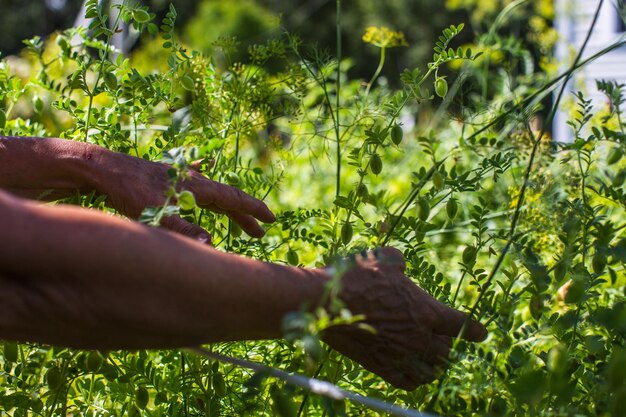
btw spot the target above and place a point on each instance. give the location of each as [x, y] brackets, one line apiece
[523, 231]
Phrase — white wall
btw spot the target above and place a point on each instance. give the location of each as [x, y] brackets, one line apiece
[573, 19]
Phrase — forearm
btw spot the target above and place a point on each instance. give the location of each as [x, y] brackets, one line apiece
[47, 167]
[83, 279]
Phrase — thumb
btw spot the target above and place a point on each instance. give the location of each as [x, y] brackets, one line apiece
[183, 227]
[391, 256]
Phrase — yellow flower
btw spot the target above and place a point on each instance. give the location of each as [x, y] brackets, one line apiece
[384, 37]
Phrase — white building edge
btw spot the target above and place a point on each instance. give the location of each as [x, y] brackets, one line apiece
[573, 19]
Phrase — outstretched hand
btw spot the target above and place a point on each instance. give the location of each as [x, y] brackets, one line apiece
[414, 331]
[133, 184]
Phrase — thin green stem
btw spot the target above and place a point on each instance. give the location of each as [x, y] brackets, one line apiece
[533, 154]
[381, 63]
[583, 185]
[412, 196]
[337, 100]
[542, 92]
[458, 287]
[394, 116]
[103, 56]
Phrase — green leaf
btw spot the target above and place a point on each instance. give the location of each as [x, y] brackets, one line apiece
[343, 202]
[187, 82]
[141, 16]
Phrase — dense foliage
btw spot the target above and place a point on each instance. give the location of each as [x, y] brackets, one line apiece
[493, 216]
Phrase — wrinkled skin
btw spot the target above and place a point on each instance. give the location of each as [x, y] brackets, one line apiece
[414, 331]
[52, 168]
[136, 183]
[236, 298]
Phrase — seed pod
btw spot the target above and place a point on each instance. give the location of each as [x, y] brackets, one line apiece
[574, 292]
[3, 119]
[452, 208]
[110, 80]
[376, 164]
[535, 306]
[10, 351]
[312, 347]
[283, 405]
[557, 360]
[362, 191]
[292, 257]
[619, 179]
[598, 262]
[441, 87]
[38, 105]
[396, 134]
[560, 269]
[186, 200]
[615, 155]
[346, 233]
[469, 255]
[54, 378]
[160, 398]
[219, 385]
[438, 180]
[141, 397]
[94, 361]
[423, 209]
[233, 179]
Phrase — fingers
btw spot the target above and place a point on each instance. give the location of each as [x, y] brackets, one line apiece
[393, 257]
[415, 375]
[178, 225]
[197, 164]
[438, 349]
[247, 223]
[229, 199]
[409, 373]
[452, 322]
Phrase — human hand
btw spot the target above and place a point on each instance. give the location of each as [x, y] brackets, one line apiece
[414, 331]
[133, 184]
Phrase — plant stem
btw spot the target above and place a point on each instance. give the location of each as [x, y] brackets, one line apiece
[531, 160]
[103, 56]
[414, 193]
[381, 63]
[337, 99]
[542, 92]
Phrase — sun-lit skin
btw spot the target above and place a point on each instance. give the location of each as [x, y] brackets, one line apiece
[81, 278]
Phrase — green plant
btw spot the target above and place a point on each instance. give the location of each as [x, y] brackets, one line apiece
[494, 218]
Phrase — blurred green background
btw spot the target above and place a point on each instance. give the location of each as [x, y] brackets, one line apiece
[201, 22]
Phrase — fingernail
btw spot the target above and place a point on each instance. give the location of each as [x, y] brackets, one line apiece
[271, 218]
[205, 240]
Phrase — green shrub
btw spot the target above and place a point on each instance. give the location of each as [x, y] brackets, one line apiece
[493, 218]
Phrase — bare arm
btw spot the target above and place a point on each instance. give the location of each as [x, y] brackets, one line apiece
[76, 277]
[55, 168]
[32, 167]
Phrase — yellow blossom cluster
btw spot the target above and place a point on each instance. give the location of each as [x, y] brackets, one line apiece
[384, 37]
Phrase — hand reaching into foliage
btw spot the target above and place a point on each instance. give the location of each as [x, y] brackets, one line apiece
[414, 331]
[148, 288]
[55, 168]
[132, 184]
